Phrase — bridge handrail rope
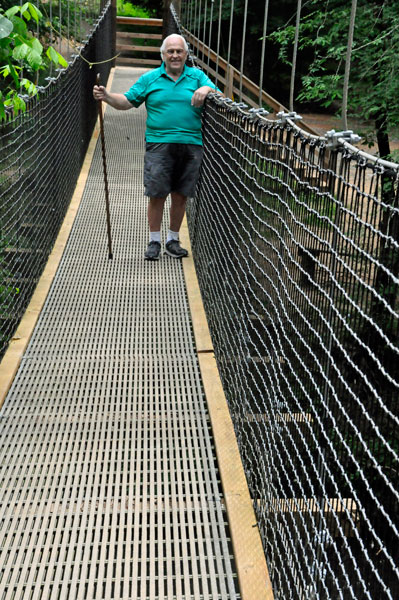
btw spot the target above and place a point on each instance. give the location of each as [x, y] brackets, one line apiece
[297, 253]
[332, 138]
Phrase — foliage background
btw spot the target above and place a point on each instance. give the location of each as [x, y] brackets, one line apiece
[374, 78]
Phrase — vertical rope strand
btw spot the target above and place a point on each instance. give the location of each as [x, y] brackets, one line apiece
[294, 56]
[230, 31]
[190, 18]
[348, 66]
[218, 42]
[204, 36]
[244, 28]
[199, 27]
[60, 27]
[210, 34]
[182, 14]
[262, 58]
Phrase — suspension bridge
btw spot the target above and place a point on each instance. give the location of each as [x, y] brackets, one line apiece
[223, 427]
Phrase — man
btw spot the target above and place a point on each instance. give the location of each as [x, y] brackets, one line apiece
[174, 95]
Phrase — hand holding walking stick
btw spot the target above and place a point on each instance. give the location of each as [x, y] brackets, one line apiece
[100, 112]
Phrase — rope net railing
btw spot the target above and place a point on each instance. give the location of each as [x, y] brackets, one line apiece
[296, 248]
[296, 244]
[41, 153]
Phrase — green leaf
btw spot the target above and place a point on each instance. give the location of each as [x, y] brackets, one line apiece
[52, 54]
[25, 11]
[14, 74]
[18, 104]
[29, 86]
[20, 51]
[34, 11]
[34, 59]
[62, 61]
[20, 27]
[56, 57]
[36, 45]
[12, 11]
[6, 27]
[5, 71]
[28, 10]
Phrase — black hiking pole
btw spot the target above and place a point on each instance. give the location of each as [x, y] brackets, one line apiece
[100, 112]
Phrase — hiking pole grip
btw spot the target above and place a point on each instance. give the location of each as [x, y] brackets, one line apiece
[100, 112]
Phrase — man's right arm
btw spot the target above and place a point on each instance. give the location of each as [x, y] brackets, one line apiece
[118, 101]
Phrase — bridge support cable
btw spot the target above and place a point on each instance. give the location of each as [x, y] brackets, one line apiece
[262, 58]
[295, 54]
[218, 42]
[289, 247]
[230, 32]
[244, 32]
[210, 31]
[348, 65]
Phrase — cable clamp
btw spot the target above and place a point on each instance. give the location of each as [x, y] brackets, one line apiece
[292, 116]
[255, 113]
[240, 105]
[336, 138]
[217, 97]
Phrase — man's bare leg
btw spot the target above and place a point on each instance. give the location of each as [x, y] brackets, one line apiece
[155, 213]
[177, 210]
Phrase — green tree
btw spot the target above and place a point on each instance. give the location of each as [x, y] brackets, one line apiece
[374, 80]
[22, 56]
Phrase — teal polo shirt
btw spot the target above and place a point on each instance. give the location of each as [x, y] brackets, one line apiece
[170, 116]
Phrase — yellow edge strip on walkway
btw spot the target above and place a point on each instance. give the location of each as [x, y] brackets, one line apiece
[253, 574]
[19, 342]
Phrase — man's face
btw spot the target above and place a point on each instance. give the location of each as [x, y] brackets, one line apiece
[174, 56]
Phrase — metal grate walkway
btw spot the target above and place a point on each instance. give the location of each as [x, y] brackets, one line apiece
[109, 483]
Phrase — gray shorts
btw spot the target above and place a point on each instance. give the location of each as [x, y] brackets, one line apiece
[171, 168]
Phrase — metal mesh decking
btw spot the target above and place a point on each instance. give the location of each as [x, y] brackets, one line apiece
[109, 483]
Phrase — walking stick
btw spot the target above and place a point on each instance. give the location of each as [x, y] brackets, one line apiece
[100, 112]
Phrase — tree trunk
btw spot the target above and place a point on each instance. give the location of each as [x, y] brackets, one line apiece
[382, 136]
[166, 19]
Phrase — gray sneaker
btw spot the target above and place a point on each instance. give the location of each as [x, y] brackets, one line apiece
[174, 250]
[153, 251]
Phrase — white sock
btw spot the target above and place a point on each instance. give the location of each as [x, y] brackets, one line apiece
[172, 235]
[155, 236]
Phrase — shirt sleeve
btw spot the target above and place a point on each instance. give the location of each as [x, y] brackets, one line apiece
[137, 93]
[204, 80]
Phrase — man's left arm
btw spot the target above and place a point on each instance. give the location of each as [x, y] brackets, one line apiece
[205, 86]
[200, 95]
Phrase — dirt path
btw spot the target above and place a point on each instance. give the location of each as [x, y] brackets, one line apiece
[323, 123]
